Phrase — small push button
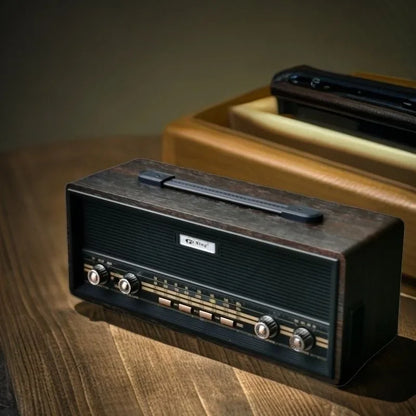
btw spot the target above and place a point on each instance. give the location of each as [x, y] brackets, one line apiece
[184, 308]
[205, 315]
[165, 302]
[226, 321]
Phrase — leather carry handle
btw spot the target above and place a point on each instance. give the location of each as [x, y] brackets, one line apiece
[291, 212]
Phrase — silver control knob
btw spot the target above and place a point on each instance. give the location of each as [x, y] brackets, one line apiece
[301, 340]
[266, 327]
[97, 275]
[129, 284]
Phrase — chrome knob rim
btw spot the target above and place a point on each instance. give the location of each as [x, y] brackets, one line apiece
[97, 275]
[124, 286]
[296, 343]
[93, 277]
[129, 284]
[262, 330]
[301, 340]
[266, 327]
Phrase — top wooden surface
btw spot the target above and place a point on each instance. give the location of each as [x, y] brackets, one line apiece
[337, 233]
[69, 357]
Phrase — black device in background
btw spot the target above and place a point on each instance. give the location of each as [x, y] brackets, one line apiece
[365, 108]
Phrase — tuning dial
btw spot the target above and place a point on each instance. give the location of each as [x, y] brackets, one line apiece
[266, 327]
[97, 275]
[301, 340]
[129, 284]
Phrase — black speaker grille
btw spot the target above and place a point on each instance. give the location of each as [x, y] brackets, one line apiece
[282, 277]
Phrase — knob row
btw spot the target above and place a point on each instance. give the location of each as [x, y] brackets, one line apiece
[301, 339]
[128, 284]
[265, 328]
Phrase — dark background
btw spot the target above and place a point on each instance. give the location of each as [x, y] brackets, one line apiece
[86, 69]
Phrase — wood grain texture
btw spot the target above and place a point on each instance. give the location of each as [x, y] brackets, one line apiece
[195, 143]
[260, 118]
[337, 233]
[206, 141]
[69, 357]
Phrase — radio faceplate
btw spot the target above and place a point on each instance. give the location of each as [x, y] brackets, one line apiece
[216, 309]
[306, 295]
[207, 303]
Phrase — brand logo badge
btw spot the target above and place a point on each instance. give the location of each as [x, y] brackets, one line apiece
[197, 243]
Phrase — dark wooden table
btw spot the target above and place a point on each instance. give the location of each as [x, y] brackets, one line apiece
[69, 357]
